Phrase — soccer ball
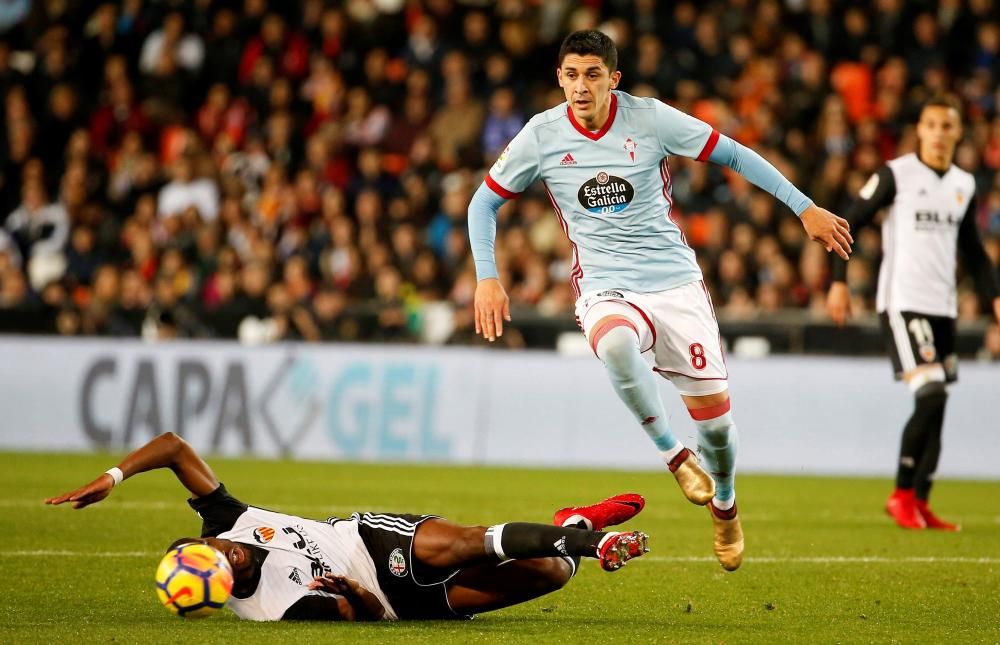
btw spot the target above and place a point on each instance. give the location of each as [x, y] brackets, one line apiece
[194, 580]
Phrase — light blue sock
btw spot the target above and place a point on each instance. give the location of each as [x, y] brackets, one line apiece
[717, 443]
[637, 387]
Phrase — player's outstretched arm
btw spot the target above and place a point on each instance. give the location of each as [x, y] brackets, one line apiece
[492, 306]
[165, 451]
[822, 226]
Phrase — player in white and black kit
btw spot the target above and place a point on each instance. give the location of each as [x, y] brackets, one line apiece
[930, 220]
[377, 566]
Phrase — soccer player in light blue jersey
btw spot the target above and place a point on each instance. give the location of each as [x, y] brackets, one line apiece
[602, 157]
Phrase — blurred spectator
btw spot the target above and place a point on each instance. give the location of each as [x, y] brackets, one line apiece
[38, 226]
[457, 126]
[288, 51]
[172, 43]
[187, 191]
[502, 123]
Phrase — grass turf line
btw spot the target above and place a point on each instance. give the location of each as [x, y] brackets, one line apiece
[831, 567]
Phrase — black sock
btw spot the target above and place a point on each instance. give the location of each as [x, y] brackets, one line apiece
[574, 564]
[909, 450]
[520, 540]
[574, 560]
[927, 466]
[928, 399]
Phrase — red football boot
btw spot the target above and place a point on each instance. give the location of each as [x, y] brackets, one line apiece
[612, 511]
[618, 548]
[902, 507]
[933, 521]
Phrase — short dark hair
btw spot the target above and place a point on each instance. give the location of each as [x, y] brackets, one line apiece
[182, 542]
[945, 101]
[590, 42]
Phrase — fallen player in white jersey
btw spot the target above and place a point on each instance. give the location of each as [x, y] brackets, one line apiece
[377, 566]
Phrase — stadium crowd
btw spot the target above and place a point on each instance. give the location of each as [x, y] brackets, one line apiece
[301, 170]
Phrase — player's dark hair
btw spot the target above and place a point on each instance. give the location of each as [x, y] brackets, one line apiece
[590, 42]
[945, 101]
[183, 541]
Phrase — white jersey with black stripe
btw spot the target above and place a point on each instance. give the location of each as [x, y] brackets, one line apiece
[920, 237]
[298, 550]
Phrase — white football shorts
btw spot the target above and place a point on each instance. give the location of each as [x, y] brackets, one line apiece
[678, 325]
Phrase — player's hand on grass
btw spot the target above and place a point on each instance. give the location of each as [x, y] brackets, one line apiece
[838, 303]
[833, 232]
[492, 307]
[92, 493]
[365, 604]
[341, 585]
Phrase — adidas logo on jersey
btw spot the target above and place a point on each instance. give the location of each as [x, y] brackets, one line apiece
[568, 160]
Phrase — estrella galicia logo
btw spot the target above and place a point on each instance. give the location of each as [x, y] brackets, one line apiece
[397, 563]
[605, 194]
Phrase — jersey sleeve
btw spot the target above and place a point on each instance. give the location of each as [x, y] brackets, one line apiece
[758, 171]
[483, 230]
[977, 263]
[218, 511]
[877, 193]
[516, 167]
[682, 134]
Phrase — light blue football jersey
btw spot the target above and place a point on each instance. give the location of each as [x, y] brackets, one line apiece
[611, 189]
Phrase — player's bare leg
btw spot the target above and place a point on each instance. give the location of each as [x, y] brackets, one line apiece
[717, 442]
[490, 587]
[446, 545]
[616, 341]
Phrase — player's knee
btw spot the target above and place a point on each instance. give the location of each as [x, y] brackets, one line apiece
[716, 426]
[718, 436]
[931, 389]
[929, 379]
[617, 346]
[928, 385]
[550, 574]
[558, 573]
[714, 418]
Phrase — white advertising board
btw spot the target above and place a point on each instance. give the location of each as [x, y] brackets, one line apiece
[804, 415]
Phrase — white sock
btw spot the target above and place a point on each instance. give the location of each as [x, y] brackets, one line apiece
[668, 455]
[578, 521]
[724, 504]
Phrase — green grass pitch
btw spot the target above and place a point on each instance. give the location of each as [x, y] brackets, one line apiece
[823, 564]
